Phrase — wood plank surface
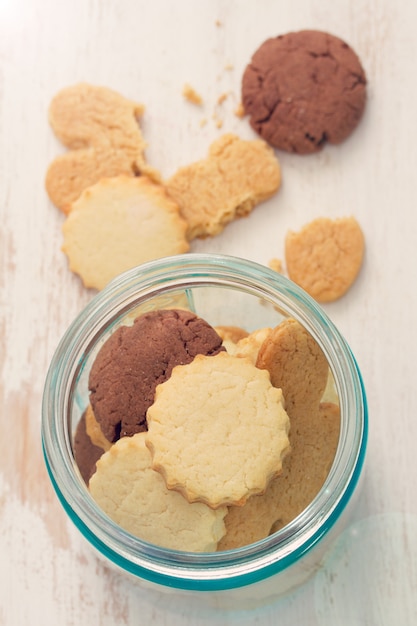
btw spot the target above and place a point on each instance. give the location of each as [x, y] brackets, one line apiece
[147, 51]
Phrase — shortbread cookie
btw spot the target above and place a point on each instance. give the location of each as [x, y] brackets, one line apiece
[101, 129]
[297, 365]
[235, 177]
[325, 256]
[313, 447]
[86, 453]
[218, 430]
[304, 89]
[69, 174]
[252, 521]
[136, 358]
[120, 223]
[299, 368]
[313, 444]
[134, 496]
[249, 346]
[94, 431]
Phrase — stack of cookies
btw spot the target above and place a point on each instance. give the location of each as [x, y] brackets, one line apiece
[201, 439]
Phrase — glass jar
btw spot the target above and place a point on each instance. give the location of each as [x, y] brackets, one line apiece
[224, 291]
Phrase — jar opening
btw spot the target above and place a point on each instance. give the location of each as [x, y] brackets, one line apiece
[222, 290]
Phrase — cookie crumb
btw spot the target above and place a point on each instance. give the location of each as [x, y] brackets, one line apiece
[276, 265]
[130, 492]
[237, 415]
[191, 95]
[222, 98]
[240, 111]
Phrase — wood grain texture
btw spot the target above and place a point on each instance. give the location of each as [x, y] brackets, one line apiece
[148, 51]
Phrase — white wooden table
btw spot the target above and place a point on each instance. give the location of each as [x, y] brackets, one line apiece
[148, 51]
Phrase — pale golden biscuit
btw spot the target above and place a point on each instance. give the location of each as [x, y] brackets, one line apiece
[94, 431]
[297, 365]
[218, 430]
[231, 333]
[235, 177]
[71, 173]
[120, 223]
[135, 497]
[240, 111]
[249, 346]
[313, 447]
[191, 95]
[101, 129]
[84, 115]
[250, 522]
[324, 257]
[230, 336]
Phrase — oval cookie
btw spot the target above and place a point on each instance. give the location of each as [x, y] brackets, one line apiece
[100, 127]
[325, 256]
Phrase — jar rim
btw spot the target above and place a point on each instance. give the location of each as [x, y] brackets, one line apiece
[187, 570]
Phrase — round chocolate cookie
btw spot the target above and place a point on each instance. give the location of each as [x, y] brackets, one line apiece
[137, 358]
[304, 89]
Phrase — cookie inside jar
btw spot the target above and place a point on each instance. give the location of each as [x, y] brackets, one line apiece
[285, 440]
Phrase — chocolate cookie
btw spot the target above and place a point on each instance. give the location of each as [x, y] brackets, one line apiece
[303, 89]
[135, 359]
[86, 453]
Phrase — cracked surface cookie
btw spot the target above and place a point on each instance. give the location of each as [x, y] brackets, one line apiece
[304, 89]
[235, 177]
[313, 446]
[218, 430]
[325, 256]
